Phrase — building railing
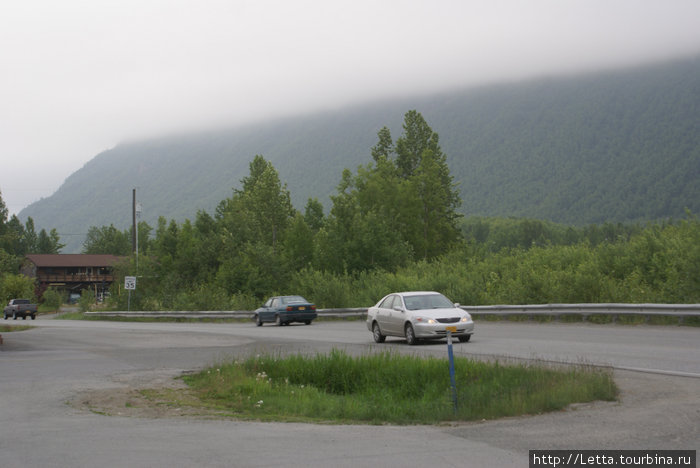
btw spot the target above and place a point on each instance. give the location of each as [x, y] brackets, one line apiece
[74, 278]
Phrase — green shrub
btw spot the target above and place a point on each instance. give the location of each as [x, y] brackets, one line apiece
[54, 299]
[16, 287]
[87, 300]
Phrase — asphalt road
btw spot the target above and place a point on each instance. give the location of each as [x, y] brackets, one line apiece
[43, 369]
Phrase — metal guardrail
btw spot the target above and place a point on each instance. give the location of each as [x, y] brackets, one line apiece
[684, 310]
[556, 310]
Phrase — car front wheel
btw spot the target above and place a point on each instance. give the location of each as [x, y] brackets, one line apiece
[410, 335]
[258, 322]
[377, 333]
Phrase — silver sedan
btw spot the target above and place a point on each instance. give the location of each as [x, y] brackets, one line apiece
[418, 315]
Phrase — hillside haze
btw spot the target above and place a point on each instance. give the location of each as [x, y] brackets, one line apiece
[620, 146]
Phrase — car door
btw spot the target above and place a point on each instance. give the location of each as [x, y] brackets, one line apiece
[265, 312]
[277, 307]
[397, 316]
[384, 315]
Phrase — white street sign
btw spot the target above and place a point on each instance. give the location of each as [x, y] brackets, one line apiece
[129, 282]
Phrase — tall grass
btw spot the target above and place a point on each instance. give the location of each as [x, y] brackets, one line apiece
[391, 388]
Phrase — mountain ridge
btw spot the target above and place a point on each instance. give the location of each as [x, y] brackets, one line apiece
[615, 146]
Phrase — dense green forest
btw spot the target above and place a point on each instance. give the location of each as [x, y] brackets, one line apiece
[394, 225]
[615, 146]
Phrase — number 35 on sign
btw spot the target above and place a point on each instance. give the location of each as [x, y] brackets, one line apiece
[129, 282]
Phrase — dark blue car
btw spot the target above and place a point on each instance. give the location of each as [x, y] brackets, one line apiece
[283, 310]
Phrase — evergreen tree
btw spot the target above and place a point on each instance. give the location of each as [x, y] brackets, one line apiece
[29, 239]
[385, 147]
[49, 243]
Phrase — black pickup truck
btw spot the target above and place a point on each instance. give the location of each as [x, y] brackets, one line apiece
[20, 308]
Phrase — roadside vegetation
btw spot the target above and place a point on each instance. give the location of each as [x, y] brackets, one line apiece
[384, 388]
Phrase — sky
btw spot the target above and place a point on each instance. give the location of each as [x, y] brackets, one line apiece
[77, 77]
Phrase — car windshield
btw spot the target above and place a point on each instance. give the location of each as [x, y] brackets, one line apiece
[427, 301]
[293, 300]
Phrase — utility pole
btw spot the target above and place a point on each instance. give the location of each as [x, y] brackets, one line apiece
[133, 219]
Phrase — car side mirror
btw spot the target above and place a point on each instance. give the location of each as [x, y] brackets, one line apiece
[457, 305]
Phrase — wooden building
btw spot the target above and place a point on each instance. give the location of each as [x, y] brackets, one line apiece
[72, 273]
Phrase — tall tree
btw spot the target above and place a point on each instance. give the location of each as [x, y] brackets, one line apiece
[29, 240]
[252, 223]
[438, 201]
[49, 243]
[13, 238]
[394, 210]
[384, 147]
[417, 137]
[267, 201]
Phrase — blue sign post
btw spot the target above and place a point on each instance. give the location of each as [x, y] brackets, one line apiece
[451, 357]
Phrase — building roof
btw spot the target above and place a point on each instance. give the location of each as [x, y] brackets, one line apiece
[73, 260]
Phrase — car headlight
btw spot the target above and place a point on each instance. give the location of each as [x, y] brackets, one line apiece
[466, 318]
[425, 320]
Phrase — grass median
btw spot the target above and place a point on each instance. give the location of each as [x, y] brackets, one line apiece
[385, 388]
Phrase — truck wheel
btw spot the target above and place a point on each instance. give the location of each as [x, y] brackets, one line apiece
[33, 316]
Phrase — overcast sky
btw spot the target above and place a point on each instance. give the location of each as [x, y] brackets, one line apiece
[79, 76]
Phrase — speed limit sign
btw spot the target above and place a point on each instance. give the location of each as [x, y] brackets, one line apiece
[129, 282]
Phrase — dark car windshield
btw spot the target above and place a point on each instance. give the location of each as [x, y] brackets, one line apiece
[427, 301]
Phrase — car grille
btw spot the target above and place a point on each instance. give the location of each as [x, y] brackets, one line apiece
[448, 320]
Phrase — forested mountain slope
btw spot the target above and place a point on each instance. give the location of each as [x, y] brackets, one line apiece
[613, 146]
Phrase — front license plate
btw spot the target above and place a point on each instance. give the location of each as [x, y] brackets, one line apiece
[451, 329]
